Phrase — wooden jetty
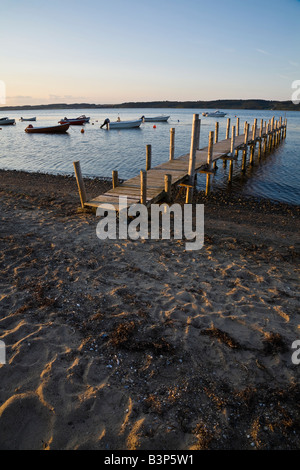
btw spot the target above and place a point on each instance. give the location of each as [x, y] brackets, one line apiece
[154, 184]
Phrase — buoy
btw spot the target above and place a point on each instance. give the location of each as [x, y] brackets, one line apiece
[82, 131]
[154, 127]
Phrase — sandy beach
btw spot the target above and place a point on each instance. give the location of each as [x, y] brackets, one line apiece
[134, 345]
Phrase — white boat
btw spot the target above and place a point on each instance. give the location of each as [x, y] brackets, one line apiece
[122, 124]
[214, 114]
[7, 122]
[28, 119]
[83, 116]
[155, 119]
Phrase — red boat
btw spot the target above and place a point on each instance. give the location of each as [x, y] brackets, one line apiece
[73, 122]
[47, 130]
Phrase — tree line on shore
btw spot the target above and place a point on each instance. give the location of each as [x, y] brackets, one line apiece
[217, 104]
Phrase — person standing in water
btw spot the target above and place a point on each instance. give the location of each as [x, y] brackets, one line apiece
[106, 122]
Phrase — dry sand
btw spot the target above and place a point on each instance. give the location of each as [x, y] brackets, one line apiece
[140, 344]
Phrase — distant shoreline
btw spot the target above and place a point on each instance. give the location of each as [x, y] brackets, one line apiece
[265, 105]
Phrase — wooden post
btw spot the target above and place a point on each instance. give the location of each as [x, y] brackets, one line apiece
[192, 159]
[272, 123]
[228, 128]
[232, 140]
[148, 157]
[259, 149]
[143, 175]
[80, 183]
[237, 133]
[254, 130]
[227, 137]
[198, 134]
[216, 140]
[270, 136]
[253, 144]
[252, 150]
[285, 126]
[274, 134]
[191, 171]
[209, 160]
[115, 179]
[245, 146]
[168, 185]
[246, 135]
[260, 138]
[261, 128]
[280, 128]
[266, 138]
[237, 126]
[210, 149]
[216, 132]
[172, 143]
[231, 152]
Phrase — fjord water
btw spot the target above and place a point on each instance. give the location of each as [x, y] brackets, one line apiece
[99, 151]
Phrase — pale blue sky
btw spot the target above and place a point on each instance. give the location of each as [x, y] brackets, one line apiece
[117, 51]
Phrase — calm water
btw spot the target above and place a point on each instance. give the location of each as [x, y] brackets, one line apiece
[99, 151]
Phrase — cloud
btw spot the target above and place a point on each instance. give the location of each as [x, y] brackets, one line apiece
[62, 98]
[262, 51]
[19, 97]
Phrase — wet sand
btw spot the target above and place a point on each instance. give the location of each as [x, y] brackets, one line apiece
[140, 344]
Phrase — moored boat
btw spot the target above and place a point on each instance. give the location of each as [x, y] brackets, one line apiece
[122, 124]
[83, 116]
[28, 119]
[62, 128]
[7, 122]
[155, 119]
[73, 122]
[214, 114]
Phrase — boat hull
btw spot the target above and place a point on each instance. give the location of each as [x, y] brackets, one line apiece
[156, 119]
[73, 122]
[125, 124]
[61, 129]
[28, 119]
[7, 122]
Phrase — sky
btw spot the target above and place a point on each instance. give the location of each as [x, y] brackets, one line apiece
[115, 51]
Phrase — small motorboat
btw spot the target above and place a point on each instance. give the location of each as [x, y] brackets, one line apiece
[7, 122]
[214, 114]
[121, 124]
[62, 128]
[155, 119]
[73, 122]
[28, 119]
[83, 116]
